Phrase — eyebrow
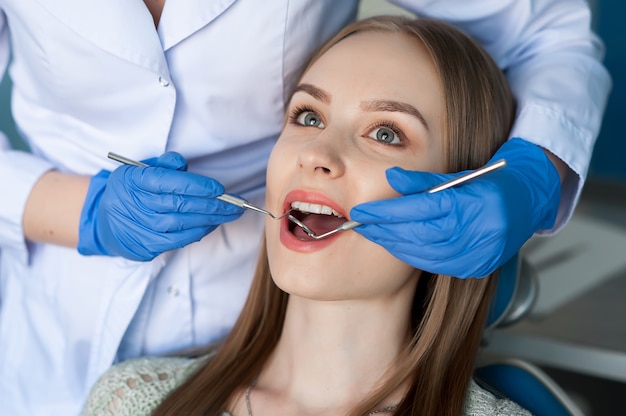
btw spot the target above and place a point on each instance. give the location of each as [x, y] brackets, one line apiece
[373, 105]
[389, 105]
[313, 91]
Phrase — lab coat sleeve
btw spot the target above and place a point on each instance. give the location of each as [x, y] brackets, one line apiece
[552, 60]
[19, 171]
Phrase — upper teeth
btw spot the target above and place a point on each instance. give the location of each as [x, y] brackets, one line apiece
[314, 208]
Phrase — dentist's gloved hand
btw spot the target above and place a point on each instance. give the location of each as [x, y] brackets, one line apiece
[140, 212]
[468, 230]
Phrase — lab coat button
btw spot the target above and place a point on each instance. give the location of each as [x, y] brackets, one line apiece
[164, 82]
[173, 291]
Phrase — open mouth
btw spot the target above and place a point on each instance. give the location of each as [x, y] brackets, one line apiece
[319, 218]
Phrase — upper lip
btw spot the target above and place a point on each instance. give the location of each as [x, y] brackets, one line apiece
[313, 197]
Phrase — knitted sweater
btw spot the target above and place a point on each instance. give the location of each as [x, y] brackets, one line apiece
[136, 387]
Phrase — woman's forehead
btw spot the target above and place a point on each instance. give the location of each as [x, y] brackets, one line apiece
[380, 59]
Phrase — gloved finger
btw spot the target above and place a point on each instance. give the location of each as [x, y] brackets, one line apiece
[178, 239]
[168, 223]
[134, 240]
[423, 257]
[413, 182]
[455, 254]
[149, 214]
[436, 259]
[432, 232]
[145, 245]
[172, 203]
[418, 207]
[159, 180]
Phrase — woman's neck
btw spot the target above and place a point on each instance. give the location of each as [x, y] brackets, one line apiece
[332, 355]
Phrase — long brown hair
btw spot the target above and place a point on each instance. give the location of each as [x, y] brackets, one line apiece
[448, 314]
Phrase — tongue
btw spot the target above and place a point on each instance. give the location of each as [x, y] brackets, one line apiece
[319, 223]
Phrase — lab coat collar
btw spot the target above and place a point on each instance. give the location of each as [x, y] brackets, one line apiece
[181, 18]
[125, 28]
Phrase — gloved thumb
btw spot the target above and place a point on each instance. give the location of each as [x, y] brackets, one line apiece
[172, 160]
[168, 160]
[412, 182]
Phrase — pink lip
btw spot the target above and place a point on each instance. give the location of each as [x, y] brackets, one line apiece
[293, 243]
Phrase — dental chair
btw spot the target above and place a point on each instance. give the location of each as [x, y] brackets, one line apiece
[519, 380]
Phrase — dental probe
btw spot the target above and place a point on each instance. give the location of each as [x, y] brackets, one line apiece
[348, 225]
[230, 199]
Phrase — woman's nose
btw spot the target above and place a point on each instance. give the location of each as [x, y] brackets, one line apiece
[324, 155]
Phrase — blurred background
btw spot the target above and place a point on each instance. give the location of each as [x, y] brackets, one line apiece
[576, 328]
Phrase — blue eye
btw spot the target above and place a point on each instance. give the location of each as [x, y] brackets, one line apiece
[310, 119]
[385, 135]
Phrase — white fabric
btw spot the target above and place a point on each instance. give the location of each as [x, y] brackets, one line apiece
[94, 76]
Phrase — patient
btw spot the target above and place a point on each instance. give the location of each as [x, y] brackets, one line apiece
[340, 326]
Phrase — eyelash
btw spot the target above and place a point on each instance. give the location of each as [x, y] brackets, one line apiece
[295, 113]
[391, 126]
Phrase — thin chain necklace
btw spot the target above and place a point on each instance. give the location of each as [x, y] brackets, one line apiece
[386, 409]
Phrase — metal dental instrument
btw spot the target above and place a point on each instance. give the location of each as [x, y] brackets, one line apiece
[348, 225]
[230, 199]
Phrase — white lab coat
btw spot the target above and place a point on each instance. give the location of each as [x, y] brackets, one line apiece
[94, 76]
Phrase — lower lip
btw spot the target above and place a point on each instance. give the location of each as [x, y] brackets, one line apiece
[303, 246]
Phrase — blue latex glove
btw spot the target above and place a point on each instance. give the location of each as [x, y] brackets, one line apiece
[472, 229]
[141, 212]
